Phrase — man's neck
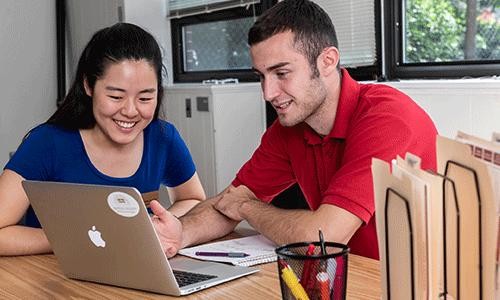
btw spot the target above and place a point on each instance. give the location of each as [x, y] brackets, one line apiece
[322, 122]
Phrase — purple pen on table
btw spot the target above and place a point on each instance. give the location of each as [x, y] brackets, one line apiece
[226, 254]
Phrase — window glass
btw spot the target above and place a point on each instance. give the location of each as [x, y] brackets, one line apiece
[213, 44]
[450, 31]
[354, 23]
[220, 45]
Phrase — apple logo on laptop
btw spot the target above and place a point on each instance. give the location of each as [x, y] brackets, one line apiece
[95, 237]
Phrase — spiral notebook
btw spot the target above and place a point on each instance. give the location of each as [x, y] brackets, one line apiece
[259, 249]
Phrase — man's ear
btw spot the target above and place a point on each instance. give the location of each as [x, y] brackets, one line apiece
[328, 60]
[88, 90]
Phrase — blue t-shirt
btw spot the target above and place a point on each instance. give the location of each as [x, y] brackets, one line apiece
[52, 153]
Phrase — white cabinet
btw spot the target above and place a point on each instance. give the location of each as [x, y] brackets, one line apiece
[221, 124]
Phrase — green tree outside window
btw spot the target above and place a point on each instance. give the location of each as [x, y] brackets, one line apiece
[451, 30]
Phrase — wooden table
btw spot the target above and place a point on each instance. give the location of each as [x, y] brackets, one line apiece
[39, 277]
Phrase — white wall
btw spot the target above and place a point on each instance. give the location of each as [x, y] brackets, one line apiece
[469, 105]
[28, 79]
[152, 17]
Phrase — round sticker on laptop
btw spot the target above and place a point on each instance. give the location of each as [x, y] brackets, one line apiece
[123, 204]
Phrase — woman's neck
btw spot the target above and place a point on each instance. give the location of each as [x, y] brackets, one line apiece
[110, 158]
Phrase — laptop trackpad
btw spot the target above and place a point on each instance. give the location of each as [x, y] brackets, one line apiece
[197, 266]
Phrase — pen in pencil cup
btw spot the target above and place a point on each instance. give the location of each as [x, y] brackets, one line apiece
[322, 242]
[323, 263]
[225, 254]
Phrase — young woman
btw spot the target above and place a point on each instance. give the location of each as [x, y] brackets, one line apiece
[106, 132]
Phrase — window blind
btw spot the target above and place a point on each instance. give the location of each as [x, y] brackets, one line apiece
[354, 23]
[184, 8]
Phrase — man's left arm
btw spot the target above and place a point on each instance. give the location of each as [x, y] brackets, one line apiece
[287, 225]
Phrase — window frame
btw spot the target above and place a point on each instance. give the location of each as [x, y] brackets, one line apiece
[372, 72]
[393, 57]
[176, 24]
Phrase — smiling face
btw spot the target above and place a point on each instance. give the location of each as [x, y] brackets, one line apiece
[287, 80]
[124, 100]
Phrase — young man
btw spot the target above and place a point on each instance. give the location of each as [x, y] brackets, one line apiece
[328, 129]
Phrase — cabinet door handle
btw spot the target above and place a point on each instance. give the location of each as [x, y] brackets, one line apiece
[188, 107]
[119, 13]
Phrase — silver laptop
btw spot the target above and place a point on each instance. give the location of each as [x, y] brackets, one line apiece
[104, 234]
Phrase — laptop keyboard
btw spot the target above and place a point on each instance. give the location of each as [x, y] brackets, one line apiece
[186, 278]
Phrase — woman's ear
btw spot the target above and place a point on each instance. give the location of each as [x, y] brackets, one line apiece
[88, 90]
[328, 60]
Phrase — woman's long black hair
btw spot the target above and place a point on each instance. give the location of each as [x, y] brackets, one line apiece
[119, 42]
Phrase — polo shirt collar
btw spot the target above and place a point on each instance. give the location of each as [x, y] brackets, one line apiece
[348, 100]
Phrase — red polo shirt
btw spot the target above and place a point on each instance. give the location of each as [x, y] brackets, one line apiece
[372, 120]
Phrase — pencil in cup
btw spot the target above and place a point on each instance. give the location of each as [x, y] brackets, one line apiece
[307, 279]
[292, 282]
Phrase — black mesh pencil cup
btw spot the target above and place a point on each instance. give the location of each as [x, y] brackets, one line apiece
[309, 272]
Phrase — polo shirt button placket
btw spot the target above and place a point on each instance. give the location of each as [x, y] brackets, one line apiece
[320, 168]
